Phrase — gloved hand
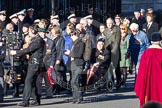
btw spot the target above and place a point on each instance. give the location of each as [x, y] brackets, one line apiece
[127, 55]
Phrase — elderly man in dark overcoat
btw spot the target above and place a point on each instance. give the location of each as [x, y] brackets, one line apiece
[112, 42]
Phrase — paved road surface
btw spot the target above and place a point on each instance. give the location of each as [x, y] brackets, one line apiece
[123, 98]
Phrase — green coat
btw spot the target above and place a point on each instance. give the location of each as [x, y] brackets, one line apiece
[123, 50]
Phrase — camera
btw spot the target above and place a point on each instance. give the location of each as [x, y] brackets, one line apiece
[12, 40]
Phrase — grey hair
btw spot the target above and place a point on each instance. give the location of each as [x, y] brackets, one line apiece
[111, 19]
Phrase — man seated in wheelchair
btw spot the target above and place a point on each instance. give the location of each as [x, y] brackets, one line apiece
[100, 61]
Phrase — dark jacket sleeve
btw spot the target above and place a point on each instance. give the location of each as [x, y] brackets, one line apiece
[160, 31]
[2, 54]
[156, 27]
[88, 48]
[60, 48]
[106, 59]
[78, 50]
[144, 26]
[32, 47]
[129, 50]
[117, 42]
[53, 56]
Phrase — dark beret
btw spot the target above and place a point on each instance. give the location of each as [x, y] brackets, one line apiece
[155, 37]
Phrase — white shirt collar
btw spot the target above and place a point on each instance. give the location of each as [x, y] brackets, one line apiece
[150, 23]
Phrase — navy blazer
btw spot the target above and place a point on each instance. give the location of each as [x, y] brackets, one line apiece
[50, 53]
[77, 52]
[153, 28]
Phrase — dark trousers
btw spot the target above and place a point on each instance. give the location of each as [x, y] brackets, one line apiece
[76, 73]
[63, 74]
[1, 88]
[67, 70]
[49, 87]
[124, 74]
[16, 89]
[30, 88]
[59, 79]
[118, 74]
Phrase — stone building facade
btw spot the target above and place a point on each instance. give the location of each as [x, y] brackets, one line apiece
[130, 5]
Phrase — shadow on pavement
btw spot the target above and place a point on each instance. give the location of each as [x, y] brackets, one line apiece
[7, 105]
[108, 98]
[53, 103]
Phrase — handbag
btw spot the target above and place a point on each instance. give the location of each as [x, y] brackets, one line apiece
[7, 78]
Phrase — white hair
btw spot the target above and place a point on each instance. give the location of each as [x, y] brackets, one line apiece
[83, 20]
[78, 26]
[134, 26]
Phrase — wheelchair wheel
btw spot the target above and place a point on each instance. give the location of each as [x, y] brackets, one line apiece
[109, 86]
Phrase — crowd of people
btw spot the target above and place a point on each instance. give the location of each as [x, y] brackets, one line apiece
[32, 46]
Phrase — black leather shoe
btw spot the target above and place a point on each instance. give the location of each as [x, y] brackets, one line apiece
[23, 104]
[74, 101]
[1, 101]
[15, 95]
[35, 103]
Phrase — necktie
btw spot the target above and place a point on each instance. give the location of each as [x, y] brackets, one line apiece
[148, 26]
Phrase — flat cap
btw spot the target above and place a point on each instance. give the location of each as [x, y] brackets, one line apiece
[150, 8]
[101, 40]
[3, 12]
[117, 16]
[54, 17]
[42, 30]
[22, 12]
[26, 25]
[13, 16]
[88, 17]
[30, 9]
[142, 10]
[37, 21]
[137, 10]
[155, 37]
[71, 16]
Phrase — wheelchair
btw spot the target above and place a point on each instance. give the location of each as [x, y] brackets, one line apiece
[100, 78]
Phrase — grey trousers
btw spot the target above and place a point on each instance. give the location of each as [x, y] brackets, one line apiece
[1, 88]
